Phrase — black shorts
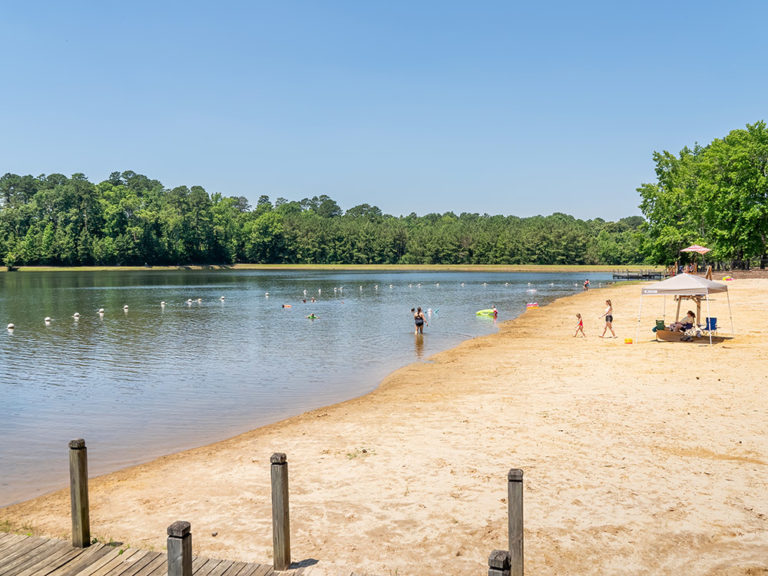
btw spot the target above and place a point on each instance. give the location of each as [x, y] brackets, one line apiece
[609, 318]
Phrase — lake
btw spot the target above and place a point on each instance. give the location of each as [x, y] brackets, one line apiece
[221, 357]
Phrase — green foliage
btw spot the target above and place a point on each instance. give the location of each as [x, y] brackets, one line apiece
[715, 195]
[130, 219]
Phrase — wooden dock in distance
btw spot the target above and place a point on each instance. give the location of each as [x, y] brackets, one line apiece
[34, 556]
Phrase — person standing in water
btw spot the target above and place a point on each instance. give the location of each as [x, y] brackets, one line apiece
[608, 314]
[420, 320]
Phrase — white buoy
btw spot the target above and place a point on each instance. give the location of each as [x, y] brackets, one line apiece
[76, 315]
[199, 300]
[437, 284]
[222, 298]
[319, 290]
[390, 286]
[375, 286]
[305, 292]
[101, 310]
[162, 303]
[47, 319]
[361, 288]
[11, 326]
[462, 284]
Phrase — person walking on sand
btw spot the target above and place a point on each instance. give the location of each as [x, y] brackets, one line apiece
[420, 320]
[608, 314]
[579, 327]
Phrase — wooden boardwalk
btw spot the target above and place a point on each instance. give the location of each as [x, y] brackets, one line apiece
[34, 556]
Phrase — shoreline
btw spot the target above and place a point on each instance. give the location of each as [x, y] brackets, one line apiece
[619, 475]
[542, 268]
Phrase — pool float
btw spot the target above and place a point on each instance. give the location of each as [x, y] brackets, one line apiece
[532, 305]
[488, 312]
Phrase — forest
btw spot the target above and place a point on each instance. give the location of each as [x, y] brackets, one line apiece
[715, 195]
[131, 219]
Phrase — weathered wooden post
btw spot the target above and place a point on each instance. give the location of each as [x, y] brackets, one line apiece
[515, 503]
[498, 563]
[78, 491]
[180, 549]
[281, 532]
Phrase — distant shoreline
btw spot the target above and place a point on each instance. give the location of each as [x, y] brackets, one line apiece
[555, 268]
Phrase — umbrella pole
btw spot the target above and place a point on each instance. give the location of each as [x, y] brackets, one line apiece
[709, 316]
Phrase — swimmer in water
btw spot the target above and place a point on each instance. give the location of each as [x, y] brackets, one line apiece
[420, 320]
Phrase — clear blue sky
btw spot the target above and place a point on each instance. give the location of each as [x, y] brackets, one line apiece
[500, 107]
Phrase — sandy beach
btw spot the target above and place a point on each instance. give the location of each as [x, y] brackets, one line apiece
[649, 458]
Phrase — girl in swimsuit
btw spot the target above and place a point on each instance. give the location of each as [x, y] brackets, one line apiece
[608, 319]
[580, 327]
[419, 319]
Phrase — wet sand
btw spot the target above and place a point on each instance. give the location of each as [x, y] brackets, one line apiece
[650, 458]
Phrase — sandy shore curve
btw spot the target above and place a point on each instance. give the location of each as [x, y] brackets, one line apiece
[649, 458]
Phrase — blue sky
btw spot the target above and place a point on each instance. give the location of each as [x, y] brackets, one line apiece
[498, 107]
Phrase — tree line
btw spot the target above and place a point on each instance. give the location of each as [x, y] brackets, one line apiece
[131, 219]
[714, 195]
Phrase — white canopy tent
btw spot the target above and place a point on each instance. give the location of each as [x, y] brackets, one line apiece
[685, 286]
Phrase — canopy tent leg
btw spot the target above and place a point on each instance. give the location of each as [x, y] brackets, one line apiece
[730, 315]
[709, 317]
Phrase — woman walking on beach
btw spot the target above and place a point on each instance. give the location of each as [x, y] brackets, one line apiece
[608, 319]
[419, 319]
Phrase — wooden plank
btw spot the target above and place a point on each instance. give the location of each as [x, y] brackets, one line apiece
[87, 557]
[207, 568]
[44, 556]
[252, 569]
[119, 558]
[23, 551]
[235, 568]
[197, 563]
[12, 541]
[111, 554]
[264, 570]
[20, 548]
[161, 569]
[5, 536]
[51, 562]
[129, 564]
[222, 567]
[155, 560]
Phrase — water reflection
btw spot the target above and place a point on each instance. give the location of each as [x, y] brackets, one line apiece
[419, 340]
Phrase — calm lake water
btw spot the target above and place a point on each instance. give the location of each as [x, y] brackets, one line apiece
[144, 381]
